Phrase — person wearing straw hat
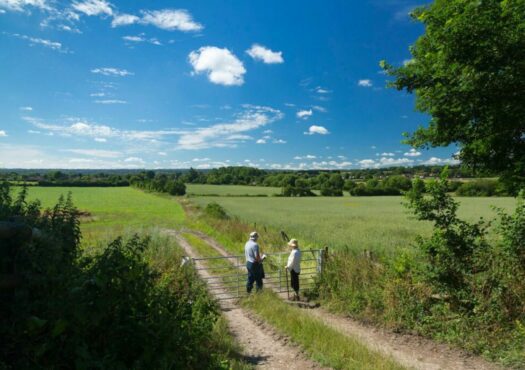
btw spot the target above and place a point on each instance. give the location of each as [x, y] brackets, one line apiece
[253, 263]
[294, 266]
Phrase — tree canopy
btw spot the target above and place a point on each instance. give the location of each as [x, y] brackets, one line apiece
[468, 73]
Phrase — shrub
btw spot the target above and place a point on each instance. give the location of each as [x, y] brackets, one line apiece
[63, 309]
[215, 210]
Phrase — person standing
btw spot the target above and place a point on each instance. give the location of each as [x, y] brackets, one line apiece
[253, 263]
[294, 266]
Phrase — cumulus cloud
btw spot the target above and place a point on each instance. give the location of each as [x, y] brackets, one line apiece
[440, 161]
[364, 83]
[319, 108]
[279, 141]
[387, 154]
[304, 114]
[3, 133]
[141, 38]
[221, 66]
[94, 7]
[261, 141]
[21, 5]
[27, 109]
[124, 20]
[412, 153]
[100, 140]
[262, 53]
[232, 133]
[110, 71]
[320, 130]
[134, 160]
[308, 156]
[171, 19]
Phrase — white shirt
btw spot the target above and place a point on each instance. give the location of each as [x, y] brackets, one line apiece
[294, 260]
[251, 250]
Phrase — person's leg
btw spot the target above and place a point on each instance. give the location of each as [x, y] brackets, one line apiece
[258, 276]
[251, 277]
[295, 281]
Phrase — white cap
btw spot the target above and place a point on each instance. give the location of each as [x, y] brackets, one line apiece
[254, 235]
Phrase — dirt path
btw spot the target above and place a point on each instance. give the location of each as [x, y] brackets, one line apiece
[262, 346]
[409, 350]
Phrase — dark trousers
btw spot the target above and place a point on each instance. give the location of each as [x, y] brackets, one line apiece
[255, 273]
[295, 280]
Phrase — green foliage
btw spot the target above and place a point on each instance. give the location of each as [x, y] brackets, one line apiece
[468, 72]
[480, 188]
[159, 182]
[64, 309]
[215, 210]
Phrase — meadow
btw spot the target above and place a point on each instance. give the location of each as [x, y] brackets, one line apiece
[230, 190]
[109, 212]
[372, 223]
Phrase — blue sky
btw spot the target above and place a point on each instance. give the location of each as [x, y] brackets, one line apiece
[174, 84]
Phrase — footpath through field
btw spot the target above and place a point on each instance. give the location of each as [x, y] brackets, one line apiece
[262, 346]
[409, 350]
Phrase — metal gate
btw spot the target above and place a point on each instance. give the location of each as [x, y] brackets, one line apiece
[226, 275]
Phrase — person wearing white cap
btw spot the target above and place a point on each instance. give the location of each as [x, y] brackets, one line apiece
[253, 263]
[294, 266]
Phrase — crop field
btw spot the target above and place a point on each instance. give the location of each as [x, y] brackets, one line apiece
[373, 223]
[109, 212]
[230, 190]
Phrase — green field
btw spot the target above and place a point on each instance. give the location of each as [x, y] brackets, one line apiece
[115, 211]
[230, 190]
[374, 223]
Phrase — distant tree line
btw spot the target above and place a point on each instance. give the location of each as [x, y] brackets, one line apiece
[159, 182]
[359, 182]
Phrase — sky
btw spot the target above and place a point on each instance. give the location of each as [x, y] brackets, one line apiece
[204, 84]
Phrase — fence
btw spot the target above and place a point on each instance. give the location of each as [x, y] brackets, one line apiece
[226, 275]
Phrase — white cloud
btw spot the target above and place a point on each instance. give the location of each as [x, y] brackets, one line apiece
[304, 114]
[85, 129]
[261, 141]
[110, 71]
[162, 154]
[94, 7]
[111, 101]
[3, 133]
[124, 20]
[308, 156]
[364, 83]
[100, 140]
[322, 90]
[440, 161]
[20, 5]
[412, 153]
[387, 154]
[171, 19]
[134, 160]
[262, 53]
[141, 38]
[367, 163]
[54, 45]
[27, 109]
[229, 134]
[279, 141]
[385, 162]
[221, 66]
[317, 130]
[99, 94]
[95, 153]
[319, 108]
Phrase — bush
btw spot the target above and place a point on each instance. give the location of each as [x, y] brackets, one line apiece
[478, 188]
[63, 309]
[215, 210]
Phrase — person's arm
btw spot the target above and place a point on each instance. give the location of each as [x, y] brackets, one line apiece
[257, 253]
[291, 258]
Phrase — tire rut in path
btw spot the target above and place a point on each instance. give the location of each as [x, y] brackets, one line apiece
[261, 345]
[409, 350]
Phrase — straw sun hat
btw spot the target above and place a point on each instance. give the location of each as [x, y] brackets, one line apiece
[293, 243]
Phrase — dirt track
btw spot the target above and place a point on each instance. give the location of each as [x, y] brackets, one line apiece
[409, 350]
[262, 346]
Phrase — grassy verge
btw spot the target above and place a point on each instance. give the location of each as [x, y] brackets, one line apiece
[324, 344]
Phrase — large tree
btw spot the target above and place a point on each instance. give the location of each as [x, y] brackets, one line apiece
[468, 73]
